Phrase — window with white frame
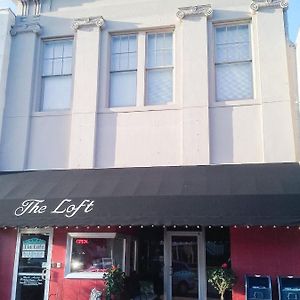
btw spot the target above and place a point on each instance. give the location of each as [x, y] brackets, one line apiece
[89, 255]
[56, 79]
[145, 59]
[233, 62]
[159, 68]
[123, 70]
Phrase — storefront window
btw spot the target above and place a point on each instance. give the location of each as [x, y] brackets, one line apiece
[217, 254]
[91, 254]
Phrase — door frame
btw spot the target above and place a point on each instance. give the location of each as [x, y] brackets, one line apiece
[17, 253]
[201, 261]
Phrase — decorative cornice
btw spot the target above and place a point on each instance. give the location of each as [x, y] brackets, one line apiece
[29, 27]
[92, 21]
[200, 10]
[257, 4]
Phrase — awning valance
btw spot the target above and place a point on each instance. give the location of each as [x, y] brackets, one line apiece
[253, 194]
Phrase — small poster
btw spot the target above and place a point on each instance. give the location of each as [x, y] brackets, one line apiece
[31, 280]
[34, 248]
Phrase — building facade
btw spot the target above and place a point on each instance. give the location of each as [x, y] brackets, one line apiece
[161, 137]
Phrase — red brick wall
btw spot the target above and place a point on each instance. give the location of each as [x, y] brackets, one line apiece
[8, 240]
[265, 251]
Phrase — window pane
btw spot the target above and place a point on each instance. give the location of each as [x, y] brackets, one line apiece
[169, 40]
[115, 62]
[234, 81]
[159, 50]
[160, 39]
[116, 46]
[159, 86]
[47, 67]
[123, 56]
[151, 42]
[123, 89]
[168, 57]
[151, 59]
[221, 35]
[56, 93]
[58, 49]
[132, 43]
[48, 50]
[243, 33]
[221, 53]
[124, 44]
[232, 34]
[132, 63]
[91, 254]
[57, 66]
[124, 62]
[67, 66]
[118, 252]
[68, 48]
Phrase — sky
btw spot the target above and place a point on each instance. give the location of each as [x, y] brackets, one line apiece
[293, 16]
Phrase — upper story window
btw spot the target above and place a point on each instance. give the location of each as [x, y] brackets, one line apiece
[141, 60]
[56, 75]
[233, 62]
[159, 68]
[123, 70]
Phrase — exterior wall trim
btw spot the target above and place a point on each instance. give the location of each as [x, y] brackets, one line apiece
[91, 21]
[257, 4]
[28, 27]
[198, 10]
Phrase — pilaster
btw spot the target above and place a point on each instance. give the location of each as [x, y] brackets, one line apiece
[85, 97]
[195, 120]
[18, 108]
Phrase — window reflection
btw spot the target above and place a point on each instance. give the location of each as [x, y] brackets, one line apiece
[95, 254]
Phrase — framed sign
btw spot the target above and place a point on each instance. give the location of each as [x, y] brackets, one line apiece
[33, 248]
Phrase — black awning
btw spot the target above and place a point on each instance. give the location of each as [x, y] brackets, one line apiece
[253, 194]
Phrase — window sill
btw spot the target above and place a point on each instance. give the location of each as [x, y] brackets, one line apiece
[51, 113]
[85, 275]
[145, 108]
[226, 103]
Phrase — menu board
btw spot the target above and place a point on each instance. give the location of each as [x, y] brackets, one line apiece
[33, 248]
[31, 280]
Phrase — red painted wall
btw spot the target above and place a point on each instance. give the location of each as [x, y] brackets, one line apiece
[8, 240]
[265, 251]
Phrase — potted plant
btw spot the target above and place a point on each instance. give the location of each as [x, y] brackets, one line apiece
[222, 279]
[114, 279]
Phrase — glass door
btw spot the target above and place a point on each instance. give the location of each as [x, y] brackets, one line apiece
[183, 265]
[32, 266]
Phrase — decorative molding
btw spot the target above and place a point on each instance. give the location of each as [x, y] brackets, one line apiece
[257, 4]
[92, 21]
[38, 7]
[25, 7]
[29, 27]
[199, 10]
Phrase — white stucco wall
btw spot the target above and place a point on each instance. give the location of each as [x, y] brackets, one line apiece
[6, 21]
[193, 130]
[298, 64]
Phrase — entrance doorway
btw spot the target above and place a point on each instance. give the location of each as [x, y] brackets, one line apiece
[32, 265]
[184, 272]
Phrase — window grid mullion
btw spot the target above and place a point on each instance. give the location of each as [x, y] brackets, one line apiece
[141, 70]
